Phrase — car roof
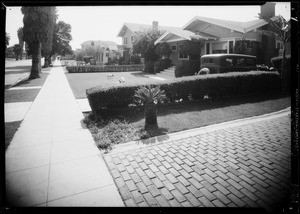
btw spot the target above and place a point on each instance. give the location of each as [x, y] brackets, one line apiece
[225, 55]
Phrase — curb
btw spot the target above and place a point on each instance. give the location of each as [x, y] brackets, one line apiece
[196, 131]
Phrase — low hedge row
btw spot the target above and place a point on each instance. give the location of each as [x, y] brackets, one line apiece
[106, 68]
[189, 88]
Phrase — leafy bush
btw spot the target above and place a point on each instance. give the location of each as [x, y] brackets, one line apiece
[179, 70]
[87, 59]
[187, 88]
[165, 63]
[149, 67]
[187, 67]
[135, 59]
[106, 68]
[163, 49]
[157, 67]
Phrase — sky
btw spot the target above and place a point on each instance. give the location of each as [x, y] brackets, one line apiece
[105, 22]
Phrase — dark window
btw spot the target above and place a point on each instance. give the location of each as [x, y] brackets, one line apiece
[173, 47]
[207, 48]
[230, 46]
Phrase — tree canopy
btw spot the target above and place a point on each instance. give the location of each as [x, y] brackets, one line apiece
[144, 44]
[61, 39]
[7, 38]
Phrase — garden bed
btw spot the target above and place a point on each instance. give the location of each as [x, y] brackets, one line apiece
[124, 125]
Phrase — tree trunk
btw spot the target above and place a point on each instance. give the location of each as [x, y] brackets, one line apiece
[36, 61]
[46, 62]
[150, 116]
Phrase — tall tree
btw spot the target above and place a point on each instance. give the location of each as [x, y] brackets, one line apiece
[281, 29]
[38, 22]
[61, 39]
[17, 51]
[7, 38]
[144, 44]
[21, 41]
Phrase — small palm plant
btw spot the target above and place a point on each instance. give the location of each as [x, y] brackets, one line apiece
[150, 97]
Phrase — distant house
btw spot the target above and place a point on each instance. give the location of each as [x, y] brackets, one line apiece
[129, 30]
[105, 50]
[220, 36]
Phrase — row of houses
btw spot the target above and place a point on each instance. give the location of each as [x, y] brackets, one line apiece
[217, 36]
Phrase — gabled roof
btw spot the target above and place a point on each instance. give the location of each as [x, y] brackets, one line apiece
[134, 27]
[107, 44]
[242, 27]
[186, 34]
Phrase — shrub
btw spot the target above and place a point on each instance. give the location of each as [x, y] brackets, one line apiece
[165, 63]
[178, 70]
[157, 67]
[186, 88]
[135, 59]
[149, 67]
[188, 67]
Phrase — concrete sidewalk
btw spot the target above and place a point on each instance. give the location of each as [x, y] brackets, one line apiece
[52, 159]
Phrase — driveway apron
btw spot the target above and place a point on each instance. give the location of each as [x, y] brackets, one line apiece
[52, 159]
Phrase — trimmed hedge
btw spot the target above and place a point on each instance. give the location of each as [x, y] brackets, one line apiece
[189, 88]
[106, 68]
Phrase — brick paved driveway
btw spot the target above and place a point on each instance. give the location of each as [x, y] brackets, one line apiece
[244, 166]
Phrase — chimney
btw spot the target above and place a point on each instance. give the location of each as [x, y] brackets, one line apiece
[267, 10]
[155, 25]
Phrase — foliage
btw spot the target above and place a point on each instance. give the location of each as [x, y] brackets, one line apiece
[21, 40]
[249, 47]
[149, 67]
[157, 67]
[135, 59]
[279, 27]
[193, 49]
[165, 63]
[37, 30]
[187, 88]
[17, 51]
[107, 68]
[277, 63]
[163, 49]
[144, 44]
[61, 39]
[9, 52]
[38, 23]
[7, 38]
[147, 95]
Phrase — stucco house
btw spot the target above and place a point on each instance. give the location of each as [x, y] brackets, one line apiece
[105, 50]
[220, 36]
[129, 30]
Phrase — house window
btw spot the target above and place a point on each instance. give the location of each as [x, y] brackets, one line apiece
[125, 40]
[230, 47]
[279, 45]
[173, 47]
[132, 38]
[207, 48]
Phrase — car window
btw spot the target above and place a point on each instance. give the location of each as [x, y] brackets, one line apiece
[207, 60]
[249, 61]
[240, 62]
[228, 62]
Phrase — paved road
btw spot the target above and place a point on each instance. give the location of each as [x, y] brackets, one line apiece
[244, 166]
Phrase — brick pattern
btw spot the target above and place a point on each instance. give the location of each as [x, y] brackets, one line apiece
[245, 166]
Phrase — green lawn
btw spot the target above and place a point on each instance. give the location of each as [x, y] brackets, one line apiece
[79, 82]
[124, 125]
[27, 95]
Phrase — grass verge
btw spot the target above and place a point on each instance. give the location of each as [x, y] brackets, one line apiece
[124, 125]
[10, 130]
